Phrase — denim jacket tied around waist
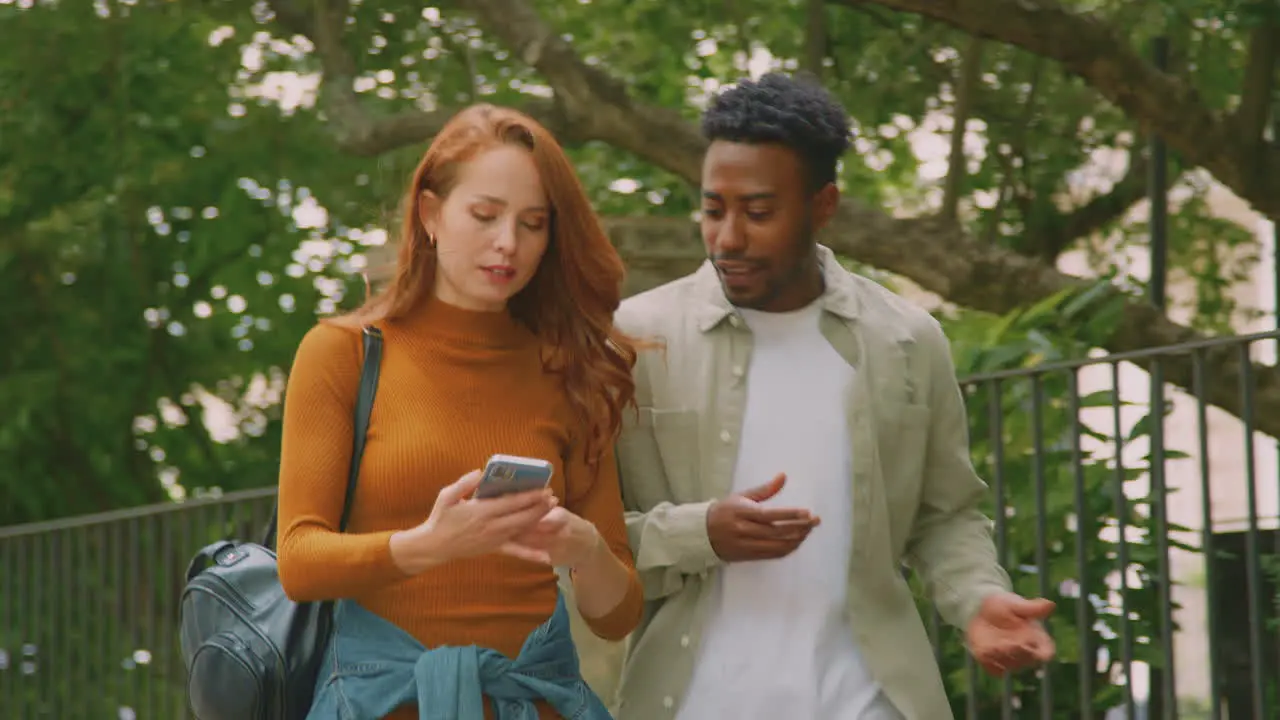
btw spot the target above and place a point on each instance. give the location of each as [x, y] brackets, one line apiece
[373, 667]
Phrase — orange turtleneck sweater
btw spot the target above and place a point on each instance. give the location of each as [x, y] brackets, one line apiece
[456, 386]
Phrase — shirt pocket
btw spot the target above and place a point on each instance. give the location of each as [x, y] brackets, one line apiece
[665, 441]
[677, 433]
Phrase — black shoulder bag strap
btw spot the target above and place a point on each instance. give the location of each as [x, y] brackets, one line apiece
[372, 337]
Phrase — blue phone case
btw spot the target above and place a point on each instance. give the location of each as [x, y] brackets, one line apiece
[505, 474]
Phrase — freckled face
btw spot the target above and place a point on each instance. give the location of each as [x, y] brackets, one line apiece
[491, 230]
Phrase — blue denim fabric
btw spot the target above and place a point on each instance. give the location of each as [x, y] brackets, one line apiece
[373, 667]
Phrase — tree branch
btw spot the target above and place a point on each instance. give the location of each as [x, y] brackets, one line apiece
[939, 257]
[357, 129]
[739, 21]
[815, 37]
[1259, 73]
[1088, 47]
[990, 109]
[933, 252]
[595, 104]
[1009, 191]
[966, 90]
[1102, 209]
[1058, 231]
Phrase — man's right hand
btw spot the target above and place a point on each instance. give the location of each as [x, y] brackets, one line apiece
[741, 528]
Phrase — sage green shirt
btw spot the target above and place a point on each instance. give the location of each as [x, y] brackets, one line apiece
[915, 493]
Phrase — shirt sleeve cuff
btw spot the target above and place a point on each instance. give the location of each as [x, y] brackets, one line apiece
[969, 609]
[687, 528]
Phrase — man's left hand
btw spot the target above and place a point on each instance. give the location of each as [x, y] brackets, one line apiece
[1008, 635]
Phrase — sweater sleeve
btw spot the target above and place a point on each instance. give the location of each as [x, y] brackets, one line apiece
[316, 561]
[593, 493]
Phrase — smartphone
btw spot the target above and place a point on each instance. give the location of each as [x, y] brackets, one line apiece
[505, 474]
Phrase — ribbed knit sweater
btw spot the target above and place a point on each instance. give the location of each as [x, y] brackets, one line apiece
[456, 386]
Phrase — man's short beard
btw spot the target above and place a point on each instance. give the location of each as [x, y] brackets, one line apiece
[806, 258]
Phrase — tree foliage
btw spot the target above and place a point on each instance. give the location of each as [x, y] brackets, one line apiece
[203, 178]
[184, 186]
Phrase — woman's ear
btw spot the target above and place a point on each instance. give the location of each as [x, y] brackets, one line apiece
[429, 211]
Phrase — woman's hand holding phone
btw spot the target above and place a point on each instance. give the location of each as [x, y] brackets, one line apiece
[461, 526]
[560, 538]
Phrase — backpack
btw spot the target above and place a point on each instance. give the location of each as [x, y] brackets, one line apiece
[251, 653]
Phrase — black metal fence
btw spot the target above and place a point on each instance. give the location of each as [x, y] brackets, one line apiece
[89, 607]
[1148, 516]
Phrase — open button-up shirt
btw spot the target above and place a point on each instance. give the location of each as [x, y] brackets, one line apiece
[915, 492]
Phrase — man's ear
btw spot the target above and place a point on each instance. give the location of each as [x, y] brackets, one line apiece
[825, 202]
[429, 211]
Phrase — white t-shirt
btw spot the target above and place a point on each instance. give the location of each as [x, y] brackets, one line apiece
[776, 645]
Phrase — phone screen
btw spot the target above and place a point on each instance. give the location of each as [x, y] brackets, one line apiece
[505, 474]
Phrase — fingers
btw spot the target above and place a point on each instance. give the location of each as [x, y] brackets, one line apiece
[1034, 609]
[745, 539]
[541, 499]
[553, 522]
[1023, 658]
[507, 518]
[519, 521]
[748, 530]
[760, 493]
[1041, 647]
[547, 527]
[993, 668]
[460, 488]
[769, 516]
[793, 531]
[1007, 607]
[1018, 658]
[995, 660]
[1017, 651]
[767, 549]
[777, 548]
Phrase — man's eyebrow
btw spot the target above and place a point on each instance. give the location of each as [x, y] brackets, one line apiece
[710, 195]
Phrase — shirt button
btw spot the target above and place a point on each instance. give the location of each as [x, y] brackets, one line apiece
[735, 321]
[668, 702]
[684, 641]
[737, 371]
[725, 436]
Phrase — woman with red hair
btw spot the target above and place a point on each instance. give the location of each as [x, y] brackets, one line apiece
[498, 339]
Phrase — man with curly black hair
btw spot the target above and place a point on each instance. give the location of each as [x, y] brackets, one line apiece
[801, 436]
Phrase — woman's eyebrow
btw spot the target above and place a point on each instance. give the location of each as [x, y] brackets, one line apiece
[499, 201]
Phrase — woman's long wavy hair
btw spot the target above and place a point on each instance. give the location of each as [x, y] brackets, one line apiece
[569, 302]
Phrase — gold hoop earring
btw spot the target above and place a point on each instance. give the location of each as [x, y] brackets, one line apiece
[431, 238]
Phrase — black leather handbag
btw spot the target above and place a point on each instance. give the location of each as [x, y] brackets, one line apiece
[252, 653]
